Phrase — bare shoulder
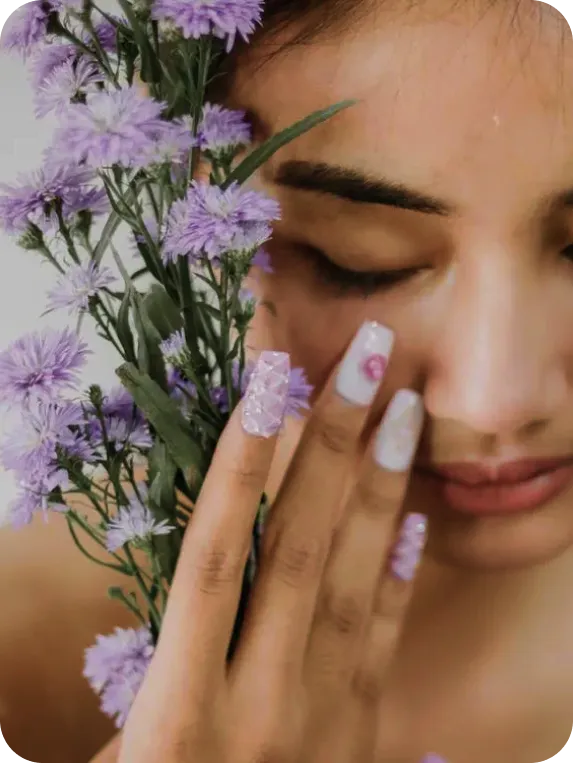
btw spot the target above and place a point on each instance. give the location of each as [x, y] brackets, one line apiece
[54, 602]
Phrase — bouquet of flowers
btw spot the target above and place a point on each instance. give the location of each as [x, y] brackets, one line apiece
[130, 91]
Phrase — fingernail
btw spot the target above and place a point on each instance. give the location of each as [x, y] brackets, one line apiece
[433, 758]
[398, 435]
[364, 364]
[408, 550]
[265, 398]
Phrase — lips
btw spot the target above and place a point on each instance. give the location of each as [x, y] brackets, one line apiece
[489, 489]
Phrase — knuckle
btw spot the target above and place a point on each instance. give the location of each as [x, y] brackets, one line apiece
[335, 436]
[248, 476]
[344, 613]
[215, 568]
[296, 562]
[371, 500]
[368, 685]
[391, 600]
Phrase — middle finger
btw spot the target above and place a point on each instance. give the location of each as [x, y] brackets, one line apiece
[299, 534]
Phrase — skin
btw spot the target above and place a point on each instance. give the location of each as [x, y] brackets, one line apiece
[473, 107]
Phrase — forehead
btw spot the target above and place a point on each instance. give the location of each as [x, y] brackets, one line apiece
[442, 96]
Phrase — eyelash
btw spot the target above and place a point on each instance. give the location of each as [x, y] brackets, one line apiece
[348, 281]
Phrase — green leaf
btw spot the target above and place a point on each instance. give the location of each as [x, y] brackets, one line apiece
[149, 353]
[112, 224]
[263, 153]
[150, 69]
[123, 328]
[162, 502]
[164, 415]
[162, 311]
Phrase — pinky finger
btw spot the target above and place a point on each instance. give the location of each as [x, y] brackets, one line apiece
[390, 607]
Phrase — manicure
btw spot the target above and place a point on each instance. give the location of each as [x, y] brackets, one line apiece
[408, 550]
[398, 435]
[265, 399]
[364, 364]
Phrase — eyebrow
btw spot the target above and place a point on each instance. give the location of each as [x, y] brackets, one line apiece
[352, 185]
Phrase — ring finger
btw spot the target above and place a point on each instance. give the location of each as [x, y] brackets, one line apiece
[347, 596]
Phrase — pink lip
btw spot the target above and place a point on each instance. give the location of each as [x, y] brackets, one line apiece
[506, 488]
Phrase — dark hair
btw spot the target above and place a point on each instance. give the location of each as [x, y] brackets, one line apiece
[306, 19]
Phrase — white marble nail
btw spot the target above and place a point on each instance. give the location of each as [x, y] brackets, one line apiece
[364, 365]
[399, 432]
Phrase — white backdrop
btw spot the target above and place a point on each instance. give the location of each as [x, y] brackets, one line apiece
[24, 278]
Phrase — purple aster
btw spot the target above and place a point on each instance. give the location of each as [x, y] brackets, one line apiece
[75, 288]
[34, 496]
[174, 348]
[48, 58]
[31, 450]
[125, 434]
[27, 27]
[33, 199]
[174, 144]
[222, 130]
[180, 389]
[262, 260]
[120, 127]
[39, 365]
[65, 85]
[118, 402]
[115, 667]
[220, 398]
[221, 18]
[135, 524]
[210, 221]
[106, 32]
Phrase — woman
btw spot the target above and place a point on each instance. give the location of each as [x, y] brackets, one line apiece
[429, 225]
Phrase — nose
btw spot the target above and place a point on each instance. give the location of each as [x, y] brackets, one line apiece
[495, 367]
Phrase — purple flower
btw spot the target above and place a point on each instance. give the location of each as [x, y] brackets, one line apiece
[106, 32]
[64, 85]
[120, 127]
[180, 389]
[211, 221]
[48, 58]
[27, 27]
[31, 450]
[34, 496]
[125, 434]
[173, 145]
[33, 200]
[39, 365]
[221, 18]
[118, 402]
[262, 260]
[222, 130]
[174, 348]
[135, 524]
[77, 285]
[220, 398]
[115, 667]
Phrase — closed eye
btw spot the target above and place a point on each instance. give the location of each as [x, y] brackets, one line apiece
[362, 282]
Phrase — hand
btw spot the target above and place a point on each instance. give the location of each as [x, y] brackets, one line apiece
[326, 609]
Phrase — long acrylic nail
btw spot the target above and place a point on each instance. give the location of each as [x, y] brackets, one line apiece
[408, 550]
[364, 364]
[398, 435]
[265, 399]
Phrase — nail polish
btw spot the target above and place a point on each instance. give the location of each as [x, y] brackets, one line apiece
[407, 551]
[364, 365]
[265, 399]
[433, 758]
[399, 432]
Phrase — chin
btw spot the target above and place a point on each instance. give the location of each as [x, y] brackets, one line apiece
[494, 543]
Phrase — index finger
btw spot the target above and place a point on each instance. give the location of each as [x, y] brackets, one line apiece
[204, 597]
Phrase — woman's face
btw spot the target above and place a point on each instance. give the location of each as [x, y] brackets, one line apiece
[450, 185]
